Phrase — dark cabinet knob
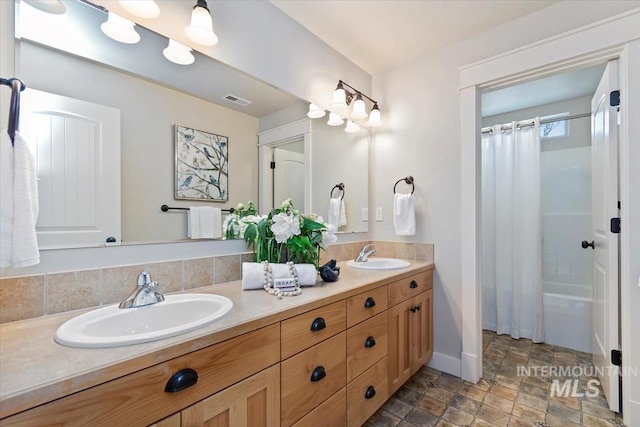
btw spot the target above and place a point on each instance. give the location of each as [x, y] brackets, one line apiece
[318, 374]
[182, 379]
[111, 239]
[369, 303]
[370, 342]
[371, 391]
[413, 284]
[586, 244]
[318, 324]
[415, 308]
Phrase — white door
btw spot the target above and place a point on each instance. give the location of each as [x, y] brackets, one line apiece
[289, 176]
[76, 145]
[604, 140]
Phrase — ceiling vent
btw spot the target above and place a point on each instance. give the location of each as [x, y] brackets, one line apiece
[237, 100]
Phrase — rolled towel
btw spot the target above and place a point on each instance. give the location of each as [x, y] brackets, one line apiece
[253, 274]
[404, 217]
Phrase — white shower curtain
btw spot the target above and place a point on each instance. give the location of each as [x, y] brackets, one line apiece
[511, 231]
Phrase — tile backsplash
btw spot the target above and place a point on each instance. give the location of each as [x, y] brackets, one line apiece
[44, 294]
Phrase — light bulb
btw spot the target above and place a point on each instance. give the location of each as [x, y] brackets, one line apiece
[374, 117]
[351, 127]
[315, 112]
[335, 120]
[358, 111]
[143, 8]
[178, 53]
[201, 28]
[339, 98]
[120, 29]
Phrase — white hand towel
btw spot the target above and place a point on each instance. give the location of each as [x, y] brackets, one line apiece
[210, 223]
[253, 274]
[193, 224]
[343, 214]
[404, 217]
[334, 212]
[19, 204]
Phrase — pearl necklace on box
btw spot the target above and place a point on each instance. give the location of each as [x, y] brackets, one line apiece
[268, 281]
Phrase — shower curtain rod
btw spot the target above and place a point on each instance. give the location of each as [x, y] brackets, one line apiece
[556, 119]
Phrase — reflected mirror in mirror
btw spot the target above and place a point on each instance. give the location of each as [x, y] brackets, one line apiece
[153, 95]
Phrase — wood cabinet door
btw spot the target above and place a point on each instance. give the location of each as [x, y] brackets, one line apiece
[170, 421]
[254, 402]
[399, 341]
[422, 329]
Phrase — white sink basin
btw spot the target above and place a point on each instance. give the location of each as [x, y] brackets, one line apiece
[380, 264]
[113, 327]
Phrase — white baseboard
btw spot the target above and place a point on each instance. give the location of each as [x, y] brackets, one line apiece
[445, 363]
[631, 414]
[470, 368]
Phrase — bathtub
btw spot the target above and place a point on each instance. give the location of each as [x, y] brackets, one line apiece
[567, 315]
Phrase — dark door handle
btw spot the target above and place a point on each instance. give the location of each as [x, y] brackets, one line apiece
[370, 342]
[413, 284]
[318, 374]
[371, 391]
[182, 379]
[369, 303]
[586, 244]
[318, 324]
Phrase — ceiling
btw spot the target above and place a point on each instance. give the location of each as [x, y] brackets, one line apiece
[381, 34]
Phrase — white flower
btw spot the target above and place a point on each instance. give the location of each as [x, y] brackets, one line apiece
[285, 226]
[328, 236]
[239, 207]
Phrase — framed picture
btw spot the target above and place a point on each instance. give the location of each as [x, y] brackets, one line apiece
[202, 165]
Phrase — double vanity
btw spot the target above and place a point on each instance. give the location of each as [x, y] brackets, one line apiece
[331, 356]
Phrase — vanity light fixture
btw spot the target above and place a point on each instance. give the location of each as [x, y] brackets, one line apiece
[374, 116]
[201, 28]
[178, 53]
[54, 7]
[334, 119]
[315, 112]
[342, 99]
[352, 127]
[147, 9]
[120, 29]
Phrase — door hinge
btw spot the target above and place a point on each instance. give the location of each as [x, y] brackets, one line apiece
[614, 98]
[615, 225]
[616, 357]
[272, 165]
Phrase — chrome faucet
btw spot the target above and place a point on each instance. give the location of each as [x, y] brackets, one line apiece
[365, 252]
[145, 293]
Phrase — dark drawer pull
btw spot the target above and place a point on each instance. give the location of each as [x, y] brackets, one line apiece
[370, 342]
[371, 391]
[318, 324]
[182, 379]
[413, 284]
[414, 309]
[369, 303]
[318, 374]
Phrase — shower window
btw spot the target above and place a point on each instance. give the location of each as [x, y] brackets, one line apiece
[554, 128]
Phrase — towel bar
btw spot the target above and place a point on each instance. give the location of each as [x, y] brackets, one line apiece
[339, 187]
[408, 180]
[165, 208]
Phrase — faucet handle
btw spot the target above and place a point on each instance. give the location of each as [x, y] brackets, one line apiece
[144, 279]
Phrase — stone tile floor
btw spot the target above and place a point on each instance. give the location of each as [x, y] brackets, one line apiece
[504, 396]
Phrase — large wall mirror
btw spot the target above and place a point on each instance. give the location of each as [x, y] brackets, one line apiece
[69, 55]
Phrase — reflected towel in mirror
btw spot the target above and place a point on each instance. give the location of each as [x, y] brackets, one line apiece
[337, 212]
[204, 222]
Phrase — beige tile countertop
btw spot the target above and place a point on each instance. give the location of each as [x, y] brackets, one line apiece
[34, 369]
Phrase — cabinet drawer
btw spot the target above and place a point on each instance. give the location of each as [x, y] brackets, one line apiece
[140, 398]
[366, 394]
[409, 287]
[308, 378]
[366, 344]
[332, 412]
[366, 305]
[307, 329]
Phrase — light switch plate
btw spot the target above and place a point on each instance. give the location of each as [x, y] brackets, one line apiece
[379, 214]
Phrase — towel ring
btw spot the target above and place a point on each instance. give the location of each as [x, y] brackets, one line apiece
[408, 180]
[339, 187]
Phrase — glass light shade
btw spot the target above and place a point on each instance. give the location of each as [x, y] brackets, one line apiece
[143, 8]
[339, 99]
[178, 53]
[351, 127]
[315, 112]
[49, 6]
[358, 111]
[201, 28]
[335, 120]
[374, 117]
[120, 29]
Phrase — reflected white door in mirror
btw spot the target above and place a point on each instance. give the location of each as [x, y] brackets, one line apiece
[76, 145]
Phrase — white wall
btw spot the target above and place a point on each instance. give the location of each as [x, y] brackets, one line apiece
[148, 114]
[421, 136]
